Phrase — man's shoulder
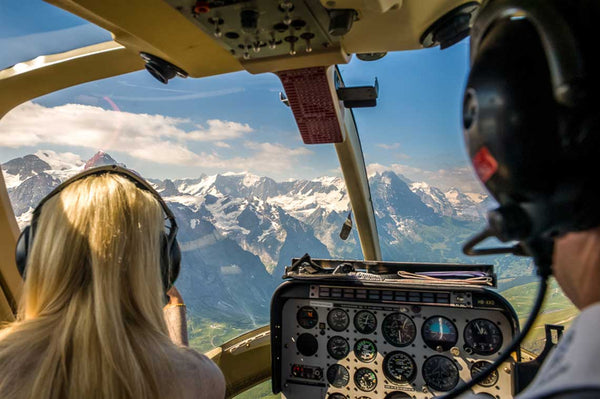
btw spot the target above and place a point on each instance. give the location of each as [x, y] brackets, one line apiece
[573, 365]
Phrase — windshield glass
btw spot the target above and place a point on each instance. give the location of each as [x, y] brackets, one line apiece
[32, 28]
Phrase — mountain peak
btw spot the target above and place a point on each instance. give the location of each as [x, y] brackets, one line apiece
[60, 161]
[101, 159]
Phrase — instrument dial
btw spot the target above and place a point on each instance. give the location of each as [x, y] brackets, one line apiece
[440, 373]
[365, 322]
[338, 347]
[439, 333]
[365, 379]
[307, 317]
[491, 378]
[398, 329]
[338, 375]
[338, 319]
[483, 336]
[365, 350]
[307, 344]
[399, 367]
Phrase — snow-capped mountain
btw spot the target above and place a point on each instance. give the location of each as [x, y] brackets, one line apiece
[238, 230]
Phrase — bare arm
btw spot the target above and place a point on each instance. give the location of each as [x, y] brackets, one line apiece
[175, 318]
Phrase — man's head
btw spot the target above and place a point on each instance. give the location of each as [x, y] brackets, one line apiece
[532, 125]
[530, 114]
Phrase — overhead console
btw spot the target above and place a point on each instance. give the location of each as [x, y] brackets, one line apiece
[349, 329]
[277, 35]
[266, 28]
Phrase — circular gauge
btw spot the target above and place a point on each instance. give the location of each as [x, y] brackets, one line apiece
[398, 329]
[483, 336]
[338, 319]
[365, 322]
[337, 396]
[365, 379]
[439, 333]
[399, 367]
[338, 376]
[365, 350]
[307, 317]
[398, 395]
[338, 347]
[307, 344]
[440, 373]
[491, 378]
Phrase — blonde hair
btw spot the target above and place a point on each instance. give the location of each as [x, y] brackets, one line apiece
[90, 321]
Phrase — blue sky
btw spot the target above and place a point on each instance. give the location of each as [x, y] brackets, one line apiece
[232, 122]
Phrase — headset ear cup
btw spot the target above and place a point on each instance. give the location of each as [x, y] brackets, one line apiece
[175, 261]
[22, 250]
[165, 265]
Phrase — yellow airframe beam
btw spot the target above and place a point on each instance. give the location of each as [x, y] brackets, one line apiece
[245, 361]
[353, 168]
[10, 280]
[46, 74]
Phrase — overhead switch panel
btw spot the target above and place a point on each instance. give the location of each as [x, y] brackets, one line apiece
[263, 28]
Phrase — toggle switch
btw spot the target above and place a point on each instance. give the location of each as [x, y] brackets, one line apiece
[216, 22]
[272, 42]
[292, 41]
[307, 37]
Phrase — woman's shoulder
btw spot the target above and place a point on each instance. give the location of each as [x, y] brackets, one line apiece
[201, 377]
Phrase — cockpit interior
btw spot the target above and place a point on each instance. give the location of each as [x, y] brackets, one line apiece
[339, 325]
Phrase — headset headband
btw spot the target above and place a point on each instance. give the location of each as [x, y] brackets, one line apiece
[132, 176]
[561, 49]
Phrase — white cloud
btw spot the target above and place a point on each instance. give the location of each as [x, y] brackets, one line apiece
[155, 138]
[219, 130]
[390, 146]
[461, 177]
[181, 97]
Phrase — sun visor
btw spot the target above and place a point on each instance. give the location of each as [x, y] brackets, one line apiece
[311, 96]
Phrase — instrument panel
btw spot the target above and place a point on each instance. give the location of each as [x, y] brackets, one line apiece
[341, 342]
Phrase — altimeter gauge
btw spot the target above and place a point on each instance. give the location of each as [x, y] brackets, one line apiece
[483, 336]
[398, 329]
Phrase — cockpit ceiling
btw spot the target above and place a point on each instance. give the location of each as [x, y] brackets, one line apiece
[209, 37]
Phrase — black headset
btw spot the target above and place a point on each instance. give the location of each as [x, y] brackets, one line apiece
[532, 128]
[531, 123]
[170, 254]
